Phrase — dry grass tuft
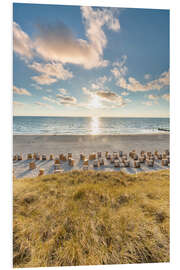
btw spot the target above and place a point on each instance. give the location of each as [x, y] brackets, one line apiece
[89, 218]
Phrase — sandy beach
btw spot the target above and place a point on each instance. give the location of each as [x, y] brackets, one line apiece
[56, 144]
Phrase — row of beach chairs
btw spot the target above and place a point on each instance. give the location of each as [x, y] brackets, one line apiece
[119, 159]
[143, 156]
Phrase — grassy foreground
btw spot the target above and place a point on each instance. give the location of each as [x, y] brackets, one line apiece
[90, 218]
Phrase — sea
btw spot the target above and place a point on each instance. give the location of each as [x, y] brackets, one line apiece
[36, 125]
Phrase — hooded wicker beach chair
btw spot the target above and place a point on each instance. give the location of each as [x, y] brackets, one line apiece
[137, 164]
[82, 157]
[101, 161]
[86, 162]
[19, 157]
[32, 165]
[164, 162]
[126, 163]
[150, 162]
[71, 162]
[29, 156]
[96, 163]
[116, 163]
[41, 172]
[44, 157]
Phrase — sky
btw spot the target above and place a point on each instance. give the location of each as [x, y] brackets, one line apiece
[90, 61]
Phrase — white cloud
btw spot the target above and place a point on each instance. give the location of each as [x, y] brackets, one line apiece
[43, 79]
[121, 62]
[94, 21]
[21, 91]
[110, 97]
[44, 105]
[22, 44]
[66, 100]
[128, 100]
[166, 97]
[62, 91]
[153, 97]
[87, 91]
[18, 103]
[57, 42]
[135, 86]
[124, 94]
[131, 84]
[61, 100]
[147, 76]
[99, 83]
[105, 95]
[147, 103]
[38, 87]
[52, 69]
[50, 99]
[50, 72]
[120, 70]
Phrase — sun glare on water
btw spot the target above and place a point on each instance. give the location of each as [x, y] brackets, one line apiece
[95, 126]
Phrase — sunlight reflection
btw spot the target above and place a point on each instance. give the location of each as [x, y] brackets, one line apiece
[95, 126]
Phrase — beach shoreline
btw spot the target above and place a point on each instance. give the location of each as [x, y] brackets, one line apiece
[59, 143]
[123, 134]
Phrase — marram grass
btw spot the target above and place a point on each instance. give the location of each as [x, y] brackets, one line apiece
[91, 218]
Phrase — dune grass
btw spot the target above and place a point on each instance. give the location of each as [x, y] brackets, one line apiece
[91, 218]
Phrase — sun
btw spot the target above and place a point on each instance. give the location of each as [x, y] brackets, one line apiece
[95, 102]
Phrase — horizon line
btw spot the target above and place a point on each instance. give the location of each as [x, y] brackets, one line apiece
[92, 116]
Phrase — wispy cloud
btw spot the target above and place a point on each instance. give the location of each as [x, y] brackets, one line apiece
[119, 69]
[99, 83]
[43, 105]
[135, 86]
[43, 79]
[166, 97]
[66, 100]
[62, 91]
[147, 103]
[18, 103]
[154, 98]
[49, 99]
[132, 84]
[22, 44]
[124, 94]
[21, 91]
[36, 86]
[147, 76]
[50, 72]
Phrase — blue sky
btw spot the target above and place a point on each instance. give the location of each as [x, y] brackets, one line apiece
[88, 61]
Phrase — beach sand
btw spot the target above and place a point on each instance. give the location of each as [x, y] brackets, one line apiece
[75, 144]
